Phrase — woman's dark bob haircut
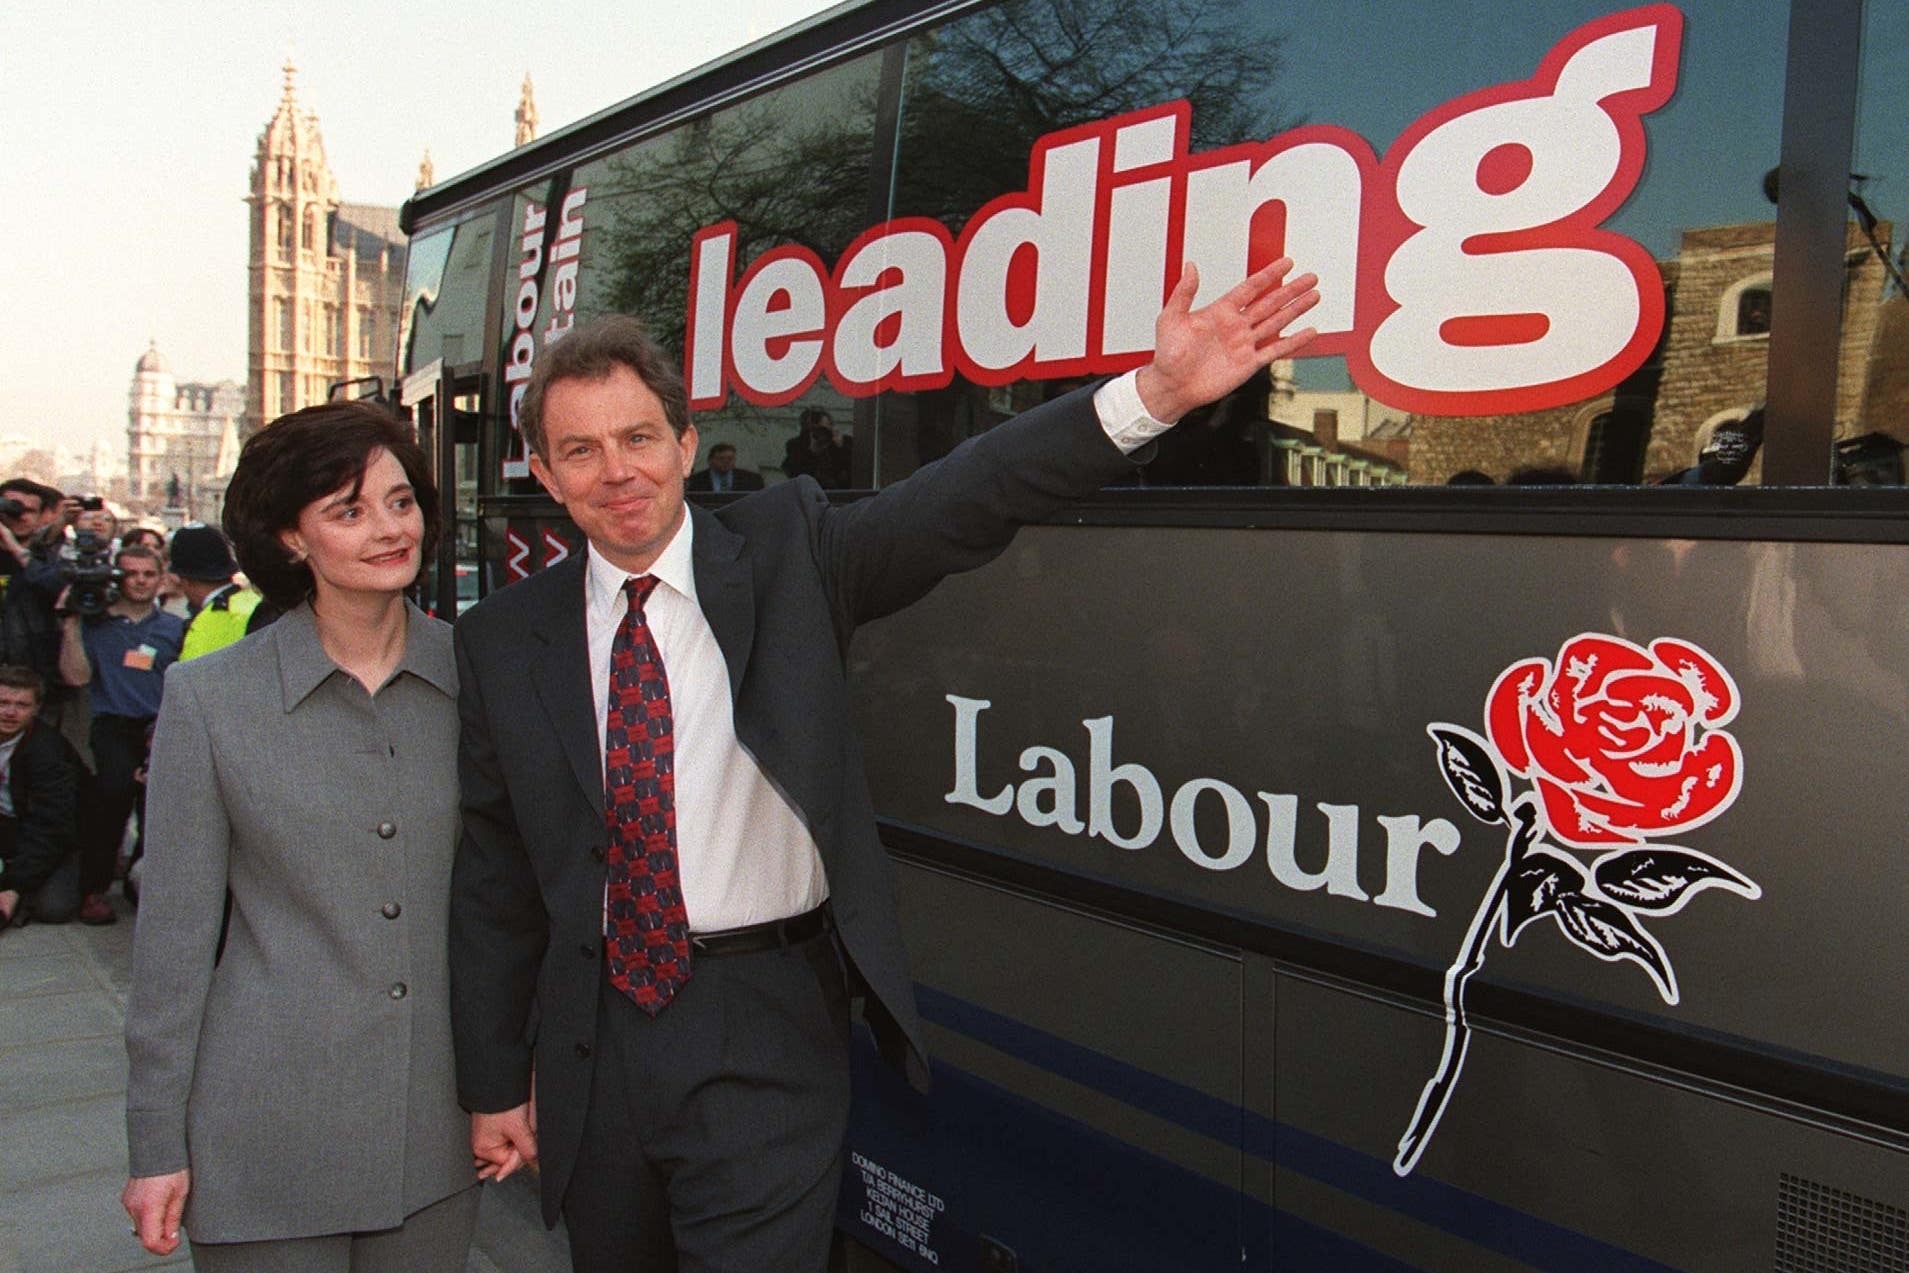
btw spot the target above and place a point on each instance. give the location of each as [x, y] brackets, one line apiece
[302, 457]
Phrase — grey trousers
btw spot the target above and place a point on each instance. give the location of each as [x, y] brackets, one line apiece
[436, 1239]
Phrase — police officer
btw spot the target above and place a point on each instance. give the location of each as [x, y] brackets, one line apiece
[202, 561]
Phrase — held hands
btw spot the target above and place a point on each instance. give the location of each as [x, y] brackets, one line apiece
[155, 1204]
[503, 1142]
[1201, 355]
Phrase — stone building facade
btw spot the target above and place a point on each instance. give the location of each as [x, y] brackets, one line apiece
[1710, 366]
[182, 441]
[326, 276]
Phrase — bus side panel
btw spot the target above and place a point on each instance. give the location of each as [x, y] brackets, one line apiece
[1239, 726]
[1087, 1106]
[1552, 1160]
[1241, 721]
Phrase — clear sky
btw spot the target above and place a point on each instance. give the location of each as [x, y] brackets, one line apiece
[127, 133]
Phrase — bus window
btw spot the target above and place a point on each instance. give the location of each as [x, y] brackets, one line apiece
[1872, 412]
[1553, 353]
[792, 171]
[446, 289]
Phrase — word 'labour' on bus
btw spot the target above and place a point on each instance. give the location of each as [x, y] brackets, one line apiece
[1466, 273]
[1050, 797]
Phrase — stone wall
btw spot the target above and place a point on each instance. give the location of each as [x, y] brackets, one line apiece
[1707, 370]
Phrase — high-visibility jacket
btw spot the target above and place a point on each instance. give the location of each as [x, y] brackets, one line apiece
[220, 621]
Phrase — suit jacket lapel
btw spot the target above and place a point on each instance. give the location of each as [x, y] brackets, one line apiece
[560, 669]
[725, 590]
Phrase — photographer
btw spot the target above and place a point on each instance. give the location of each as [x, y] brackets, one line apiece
[820, 450]
[29, 630]
[121, 652]
[26, 507]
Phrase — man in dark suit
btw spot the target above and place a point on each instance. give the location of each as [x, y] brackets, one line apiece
[40, 777]
[669, 846]
[722, 474]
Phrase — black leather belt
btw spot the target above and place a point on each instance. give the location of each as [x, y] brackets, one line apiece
[773, 935]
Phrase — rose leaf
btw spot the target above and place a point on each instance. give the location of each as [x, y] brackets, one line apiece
[1660, 879]
[1541, 877]
[1471, 771]
[1607, 931]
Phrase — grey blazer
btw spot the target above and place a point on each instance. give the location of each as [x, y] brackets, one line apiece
[307, 1078]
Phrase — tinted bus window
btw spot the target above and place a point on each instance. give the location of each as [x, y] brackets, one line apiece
[446, 289]
[1483, 328]
[790, 173]
[1872, 417]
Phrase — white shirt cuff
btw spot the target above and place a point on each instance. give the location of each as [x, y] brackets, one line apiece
[1124, 416]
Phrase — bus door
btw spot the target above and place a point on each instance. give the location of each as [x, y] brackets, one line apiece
[446, 403]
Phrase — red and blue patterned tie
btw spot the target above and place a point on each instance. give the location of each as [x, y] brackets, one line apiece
[646, 926]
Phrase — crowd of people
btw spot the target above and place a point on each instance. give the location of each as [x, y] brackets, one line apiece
[92, 614]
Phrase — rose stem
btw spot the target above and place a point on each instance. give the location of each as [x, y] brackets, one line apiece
[1431, 1104]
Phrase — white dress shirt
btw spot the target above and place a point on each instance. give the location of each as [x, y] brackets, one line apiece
[744, 855]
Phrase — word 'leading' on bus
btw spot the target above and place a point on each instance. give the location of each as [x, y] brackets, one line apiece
[1466, 273]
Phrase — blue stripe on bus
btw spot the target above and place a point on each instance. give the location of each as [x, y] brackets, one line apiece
[1479, 1220]
[1017, 1172]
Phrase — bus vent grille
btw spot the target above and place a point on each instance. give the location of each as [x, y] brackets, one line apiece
[1824, 1230]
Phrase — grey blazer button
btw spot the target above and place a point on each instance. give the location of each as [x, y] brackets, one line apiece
[399, 990]
[588, 950]
[583, 1051]
[386, 830]
[598, 853]
[391, 910]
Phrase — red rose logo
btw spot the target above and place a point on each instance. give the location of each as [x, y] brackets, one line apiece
[1622, 743]
[1618, 743]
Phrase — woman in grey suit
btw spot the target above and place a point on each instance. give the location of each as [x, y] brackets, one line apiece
[292, 1098]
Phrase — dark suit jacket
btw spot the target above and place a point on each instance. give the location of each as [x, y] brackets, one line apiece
[783, 578]
[44, 779]
[740, 480]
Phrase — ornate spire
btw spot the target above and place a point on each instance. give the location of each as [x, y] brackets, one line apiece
[291, 78]
[426, 174]
[526, 113]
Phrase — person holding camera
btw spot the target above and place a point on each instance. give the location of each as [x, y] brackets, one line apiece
[820, 450]
[120, 651]
[26, 507]
[29, 629]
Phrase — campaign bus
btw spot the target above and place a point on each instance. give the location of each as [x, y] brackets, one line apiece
[1446, 808]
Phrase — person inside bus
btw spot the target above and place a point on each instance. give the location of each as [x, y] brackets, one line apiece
[722, 475]
[1213, 446]
[291, 1100]
[820, 450]
[1726, 456]
[681, 682]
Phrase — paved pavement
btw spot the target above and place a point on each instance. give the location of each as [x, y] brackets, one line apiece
[62, 1128]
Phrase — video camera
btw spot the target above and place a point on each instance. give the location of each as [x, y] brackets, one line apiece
[87, 569]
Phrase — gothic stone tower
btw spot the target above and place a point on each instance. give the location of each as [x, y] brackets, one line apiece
[326, 277]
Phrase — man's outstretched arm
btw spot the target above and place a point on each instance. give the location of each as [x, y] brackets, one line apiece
[958, 513]
[1201, 355]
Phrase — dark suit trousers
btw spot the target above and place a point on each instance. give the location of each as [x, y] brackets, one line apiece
[713, 1142]
[120, 747]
